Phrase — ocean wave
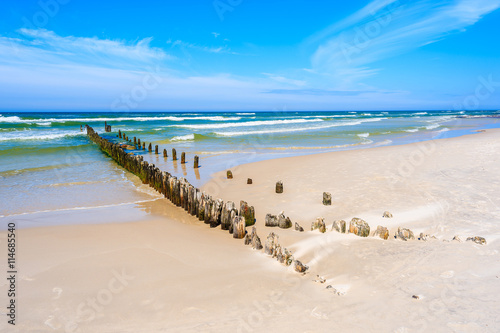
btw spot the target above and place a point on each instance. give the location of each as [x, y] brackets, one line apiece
[421, 113]
[412, 130]
[248, 124]
[187, 137]
[432, 126]
[245, 114]
[36, 135]
[16, 119]
[297, 129]
[11, 119]
[334, 116]
[364, 135]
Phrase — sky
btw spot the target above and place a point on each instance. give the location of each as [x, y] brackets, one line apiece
[242, 55]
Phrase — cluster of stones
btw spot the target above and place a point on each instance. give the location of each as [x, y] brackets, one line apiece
[281, 221]
[283, 255]
[360, 228]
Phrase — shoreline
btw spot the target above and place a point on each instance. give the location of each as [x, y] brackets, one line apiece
[187, 277]
[258, 157]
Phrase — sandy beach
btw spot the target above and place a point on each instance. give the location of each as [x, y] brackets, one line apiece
[169, 272]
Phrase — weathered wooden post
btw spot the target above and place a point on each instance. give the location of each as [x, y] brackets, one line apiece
[327, 199]
[229, 174]
[174, 154]
[279, 187]
[120, 134]
[238, 227]
[249, 181]
[135, 140]
[165, 153]
[150, 147]
[156, 149]
[144, 146]
[183, 157]
[196, 161]
[139, 142]
[247, 212]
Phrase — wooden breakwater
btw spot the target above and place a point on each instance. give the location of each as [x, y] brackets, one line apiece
[179, 191]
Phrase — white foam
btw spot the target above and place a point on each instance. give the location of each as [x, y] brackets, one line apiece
[245, 114]
[297, 129]
[364, 135]
[37, 135]
[15, 119]
[413, 130]
[183, 137]
[433, 126]
[249, 123]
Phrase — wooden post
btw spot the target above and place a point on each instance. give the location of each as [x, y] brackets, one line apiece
[196, 162]
[120, 134]
[165, 153]
[139, 142]
[229, 174]
[327, 199]
[156, 149]
[135, 140]
[183, 157]
[174, 154]
[150, 147]
[279, 187]
[249, 181]
[144, 146]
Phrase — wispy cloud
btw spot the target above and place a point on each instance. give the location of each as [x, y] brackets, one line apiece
[282, 79]
[209, 49]
[348, 49]
[45, 48]
[326, 92]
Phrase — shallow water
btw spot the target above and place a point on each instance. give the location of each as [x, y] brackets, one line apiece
[48, 164]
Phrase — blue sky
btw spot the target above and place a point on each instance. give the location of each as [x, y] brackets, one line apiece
[249, 55]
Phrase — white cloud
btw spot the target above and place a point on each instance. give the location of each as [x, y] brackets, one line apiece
[44, 47]
[208, 49]
[282, 79]
[386, 28]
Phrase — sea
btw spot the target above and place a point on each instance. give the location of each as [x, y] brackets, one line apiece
[47, 163]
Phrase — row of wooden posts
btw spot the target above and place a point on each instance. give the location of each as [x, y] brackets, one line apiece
[197, 203]
[180, 192]
[137, 142]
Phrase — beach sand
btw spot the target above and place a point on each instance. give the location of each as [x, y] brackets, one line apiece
[172, 273]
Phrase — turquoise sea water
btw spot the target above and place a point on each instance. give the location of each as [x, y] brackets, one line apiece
[48, 164]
